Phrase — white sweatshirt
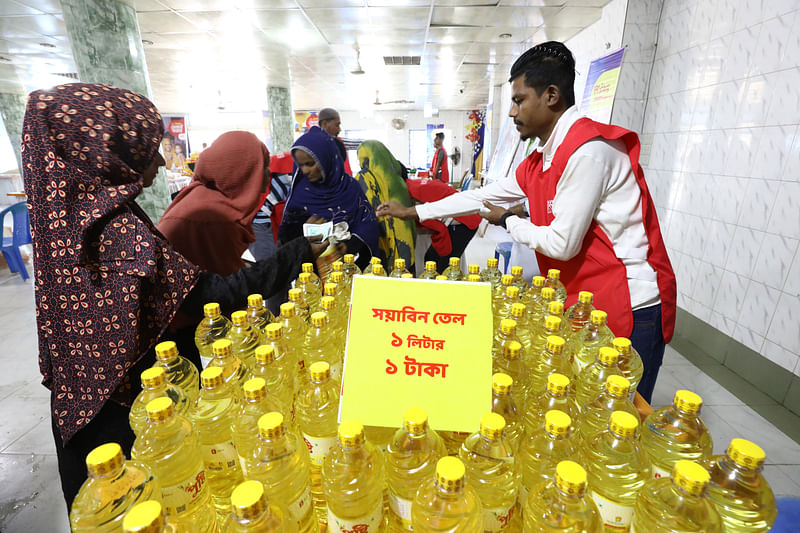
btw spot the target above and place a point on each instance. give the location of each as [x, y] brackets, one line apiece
[598, 184]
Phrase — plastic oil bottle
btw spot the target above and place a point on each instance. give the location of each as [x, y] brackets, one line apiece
[499, 293]
[113, 487]
[244, 427]
[180, 371]
[741, 495]
[308, 268]
[311, 291]
[585, 343]
[554, 281]
[353, 480]
[491, 273]
[399, 268]
[411, 459]
[473, 268]
[445, 503]
[676, 432]
[318, 345]
[370, 269]
[337, 322]
[344, 287]
[519, 313]
[474, 278]
[280, 462]
[505, 334]
[595, 414]
[677, 504]
[510, 362]
[539, 454]
[244, 338]
[300, 304]
[377, 270]
[278, 379]
[258, 315]
[453, 271]
[556, 308]
[234, 371]
[212, 417]
[493, 470]
[557, 396]
[350, 267]
[430, 271]
[293, 333]
[552, 326]
[316, 409]
[518, 280]
[533, 298]
[562, 505]
[504, 404]
[274, 338]
[213, 327]
[630, 362]
[550, 360]
[170, 448]
[578, 314]
[592, 379]
[148, 517]
[617, 470]
[546, 296]
[254, 512]
[509, 298]
[154, 385]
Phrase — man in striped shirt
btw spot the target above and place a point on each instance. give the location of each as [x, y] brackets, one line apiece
[268, 218]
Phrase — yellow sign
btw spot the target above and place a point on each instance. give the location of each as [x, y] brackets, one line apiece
[418, 343]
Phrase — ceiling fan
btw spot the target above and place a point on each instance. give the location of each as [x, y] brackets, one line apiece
[378, 100]
[358, 70]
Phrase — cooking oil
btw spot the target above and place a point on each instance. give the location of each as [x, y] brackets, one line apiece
[370, 269]
[353, 480]
[550, 360]
[445, 503]
[113, 487]
[557, 396]
[586, 342]
[578, 314]
[254, 512]
[278, 378]
[234, 371]
[676, 432]
[677, 504]
[169, 447]
[617, 470]
[505, 334]
[154, 385]
[543, 449]
[595, 414]
[592, 379]
[630, 362]
[552, 327]
[148, 517]
[509, 298]
[519, 313]
[301, 306]
[504, 404]
[453, 271]
[258, 315]
[311, 291]
[293, 333]
[337, 322]
[474, 278]
[399, 268]
[491, 273]
[518, 280]
[494, 471]
[510, 362]
[213, 327]
[287, 359]
[344, 287]
[350, 267]
[499, 293]
[738, 489]
[244, 428]
[411, 459]
[533, 299]
[430, 271]
[562, 505]
[554, 281]
[556, 308]
[244, 338]
[441, 278]
[473, 268]
[308, 268]
[180, 371]
[318, 345]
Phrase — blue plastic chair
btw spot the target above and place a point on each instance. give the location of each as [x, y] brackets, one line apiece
[466, 183]
[504, 249]
[20, 234]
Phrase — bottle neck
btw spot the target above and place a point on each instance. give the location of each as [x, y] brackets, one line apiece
[161, 388]
[741, 472]
[171, 360]
[109, 476]
[217, 393]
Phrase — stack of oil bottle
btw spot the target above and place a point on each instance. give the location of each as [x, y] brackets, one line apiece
[257, 447]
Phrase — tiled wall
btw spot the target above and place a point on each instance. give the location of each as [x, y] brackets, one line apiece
[724, 169]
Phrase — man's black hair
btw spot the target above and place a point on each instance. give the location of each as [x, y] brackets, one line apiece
[440, 135]
[549, 63]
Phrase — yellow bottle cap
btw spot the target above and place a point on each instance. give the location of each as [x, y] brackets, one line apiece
[492, 262]
[274, 330]
[104, 459]
[474, 278]
[377, 270]
[307, 267]
[585, 297]
[248, 500]
[320, 372]
[618, 386]
[691, 477]
[166, 350]
[557, 384]
[415, 421]
[598, 317]
[474, 269]
[153, 377]
[327, 303]
[144, 517]
[222, 348]
[518, 309]
[337, 266]
[430, 266]
[254, 389]
[516, 270]
[557, 423]
[571, 478]
[556, 307]
[623, 424]
[441, 278]
[553, 273]
[548, 293]
[506, 279]
[687, 401]
[304, 277]
[270, 426]
[295, 295]
[622, 345]
[501, 384]
[455, 261]
[211, 309]
[538, 281]
[375, 261]
[351, 433]
[745, 454]
[320, 318]
[255, 300]
[159, 409]
[492, 426]
[349, 258]
[330, 289]
[552, 323]
[399, 263]
[607, 356]
[555, 344]
[288, 309]
[211, 377]
[512, 350]
[450, 473]
[409, 275]
[508, 326]
[239, 318]
[512, 291]
[337, 277]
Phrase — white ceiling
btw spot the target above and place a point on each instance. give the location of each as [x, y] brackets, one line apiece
[211, 53]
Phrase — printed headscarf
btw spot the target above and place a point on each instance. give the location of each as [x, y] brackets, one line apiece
[107, 283]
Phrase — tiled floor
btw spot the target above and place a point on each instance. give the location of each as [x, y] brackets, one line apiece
[30, 494]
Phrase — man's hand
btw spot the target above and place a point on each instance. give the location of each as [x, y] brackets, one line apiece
[396, 210]
[519, 210]
[494, 214]
[317, 245]
[315, 219]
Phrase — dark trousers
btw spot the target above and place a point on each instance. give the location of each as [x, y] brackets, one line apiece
[648, 340]
[460, 235]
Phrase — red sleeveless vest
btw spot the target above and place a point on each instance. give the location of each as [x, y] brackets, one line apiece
[596, 267]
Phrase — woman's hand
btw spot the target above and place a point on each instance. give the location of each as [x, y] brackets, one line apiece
[394, 209]
[317, 245]
[315, 219]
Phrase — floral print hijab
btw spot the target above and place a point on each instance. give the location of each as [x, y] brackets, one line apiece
[107, 284]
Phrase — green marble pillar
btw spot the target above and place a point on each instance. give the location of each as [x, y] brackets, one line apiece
[12, 108]
[107, 47]
[281, 118]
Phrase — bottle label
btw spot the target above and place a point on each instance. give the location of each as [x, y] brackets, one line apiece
[402, 508]
[497, 518]
[616, 517]
[179, 498]
[318, 447]
[370, 523]
[220, 456]
[659, 472]
[302, 505]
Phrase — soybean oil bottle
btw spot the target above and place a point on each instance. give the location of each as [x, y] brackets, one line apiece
[254, 512]
[445, 503]
[559, 396]
[552, 325]
[154, 385]
[544, 448]
[258, 315]
[549, 360]
[493, 470]
[499, 293]
[353, 481]
[474, 278]
[578, 314]
[369, 270]
[293, 332]
[491, 273]
[615, 397]
[510, 297]
[244, 338]
[519, 313]
[213, 327]
[505, 405]
[300, 304]
[677, 504]
[308, 268]
[336, 325]
[148, 517]
[180, 371]
[350, 267]
[169, 447]
[430, 271]
[738, 489]
[592, 379]
[510, 362]
[244, 427]
[311, 291]
[278, 379]
[617, 470]
[562, 505]
[630, 362]
[586, 342]
[473, 268]
[319, 345]
[113, 487]
[554, 281]
[411, 459]
[281, 463]
[234, 370]
[676, 432]
[453, 272]
[533, 299]
[285, 356]
[399, 268]
[518, 280]
[505, 334]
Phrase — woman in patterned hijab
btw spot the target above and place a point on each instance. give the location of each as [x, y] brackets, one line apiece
[107, 284]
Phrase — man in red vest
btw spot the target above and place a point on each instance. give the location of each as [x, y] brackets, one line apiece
[591, 214]
[439, 169]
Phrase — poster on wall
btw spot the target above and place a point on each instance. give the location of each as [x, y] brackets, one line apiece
[175, 144]
[504, 151]
[601, 86]
[303, 121]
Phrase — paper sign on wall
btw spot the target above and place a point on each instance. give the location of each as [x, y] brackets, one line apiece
[417, 343]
